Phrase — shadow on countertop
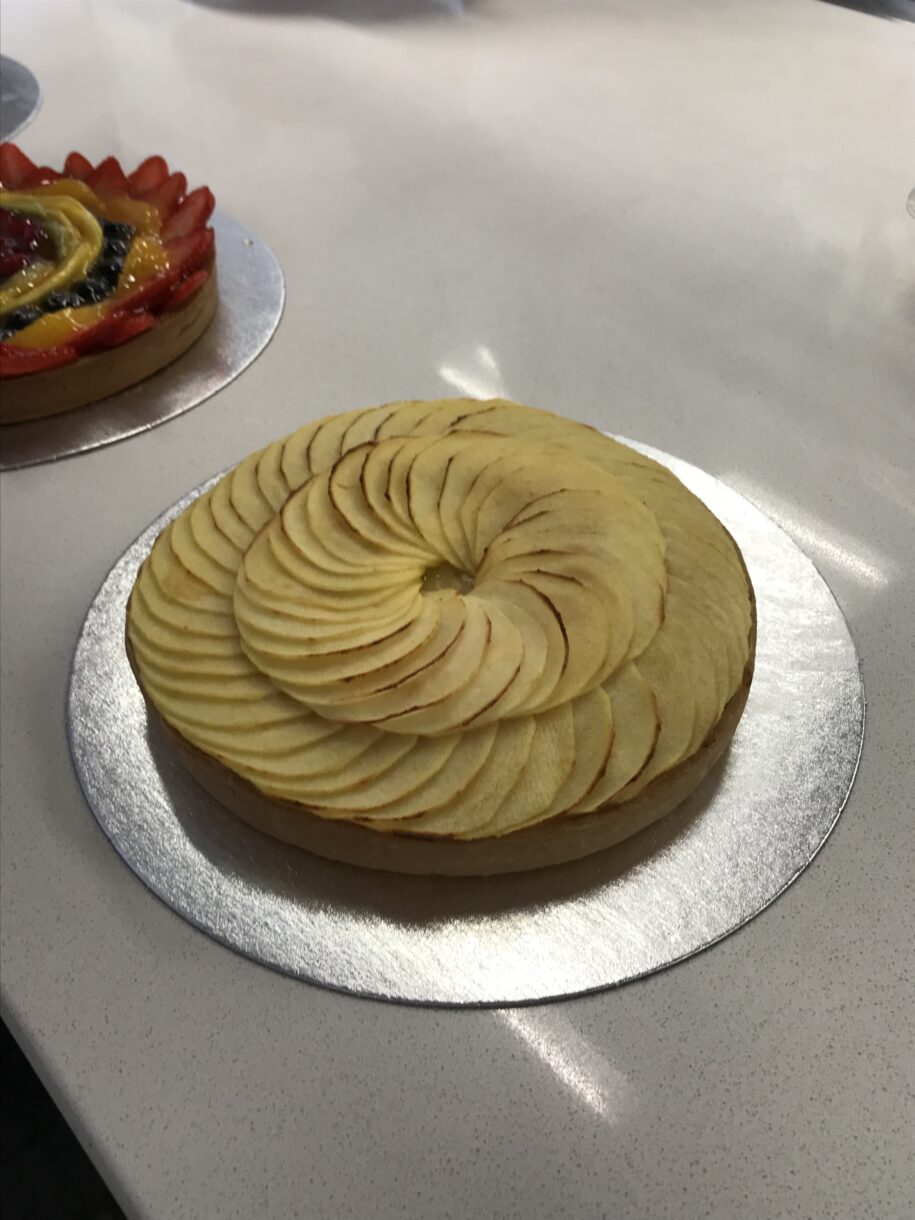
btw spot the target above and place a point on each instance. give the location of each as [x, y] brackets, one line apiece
[44, 1171]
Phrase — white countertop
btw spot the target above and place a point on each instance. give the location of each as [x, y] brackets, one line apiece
[683, 222]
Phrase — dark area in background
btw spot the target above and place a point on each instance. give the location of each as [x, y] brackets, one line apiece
[904, 10]
[44, 1173]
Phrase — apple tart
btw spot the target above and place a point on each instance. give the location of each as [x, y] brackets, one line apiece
[446, 637]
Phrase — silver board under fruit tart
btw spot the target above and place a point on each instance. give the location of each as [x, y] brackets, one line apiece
[691, 879]
[20, 97]
[251, 298]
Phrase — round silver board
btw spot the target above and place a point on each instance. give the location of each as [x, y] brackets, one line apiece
[744, 836]
[251, 297]
[20, 97]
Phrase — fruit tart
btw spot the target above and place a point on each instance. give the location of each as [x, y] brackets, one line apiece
[446, 637]
[105, 277]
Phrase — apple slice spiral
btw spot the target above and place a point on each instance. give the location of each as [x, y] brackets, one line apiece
[450, 618]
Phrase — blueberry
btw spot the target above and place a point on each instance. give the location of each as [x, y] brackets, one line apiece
[25, 316]
[19, 319]
[92, 290]
[108, 270]
[114, 231]
[61, 300]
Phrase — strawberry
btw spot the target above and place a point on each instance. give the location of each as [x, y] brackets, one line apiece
[166, 196]
[14, 165]
[108, 179]
[38, 175]
[191, 252]
[151, 295]
[12, 261]
[77, 166]
[116, 328]
[20, 361]
[185, 289]
[193, 214]
[148, 175]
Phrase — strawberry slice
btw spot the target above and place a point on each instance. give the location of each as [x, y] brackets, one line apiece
[77, 166]
[183, 291]
[108, 179]
[14, 165]
[186, 255]
[148, 175]
[166, 196]
[38, 175]
[21, 361]
[113, 330]
[193, 214]
[190, 253]
[151, 295]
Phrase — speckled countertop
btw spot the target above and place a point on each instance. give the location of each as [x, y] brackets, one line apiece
[683, 222]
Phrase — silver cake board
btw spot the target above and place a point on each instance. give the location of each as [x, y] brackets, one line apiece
[20, 97]
[686, 882]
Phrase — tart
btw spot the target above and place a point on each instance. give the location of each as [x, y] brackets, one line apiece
[104, 278]
[454, 637]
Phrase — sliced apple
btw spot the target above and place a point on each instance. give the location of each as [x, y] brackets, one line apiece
[375, 481]
[193, 665]
[177, 582]
[424, 484]
[210, 538]
[294, 460]
[477, 803]
[246, 496]
[225, 516]
[592, 725]
[437, 769]
[383, 667]
[520, 602]
[325, 444]
[479, 702]
[363, 425]
[347, 494]
[454, 670]
[199, 611]
[172, 640]
[271, 480]
[671, 684]
[345, 763]
[197, 561]
[276, 735]
[549, 765]
[449, 413]
[593, 732]
[474, 751]
[324, 680]
[604, 581]
[635, 732]
[310, 517]
[406, 418]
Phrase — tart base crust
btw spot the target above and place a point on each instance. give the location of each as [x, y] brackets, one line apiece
[94, 377]
[556, 841]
